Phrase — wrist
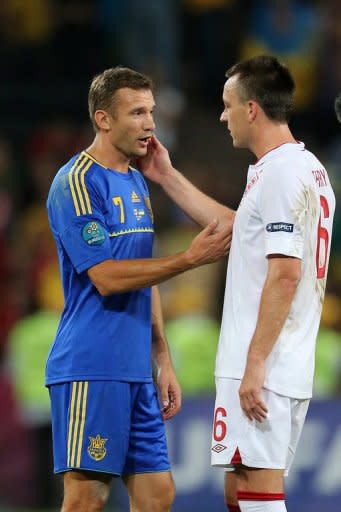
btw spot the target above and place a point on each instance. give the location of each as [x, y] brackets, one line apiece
[189, 259]
[164, 364]
[167, 177]
[160, 353]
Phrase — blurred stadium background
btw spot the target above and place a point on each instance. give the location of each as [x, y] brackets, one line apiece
[50, 50]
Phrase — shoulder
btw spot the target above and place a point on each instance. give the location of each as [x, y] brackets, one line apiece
[74, 184]
[82, 171]
[286, 169]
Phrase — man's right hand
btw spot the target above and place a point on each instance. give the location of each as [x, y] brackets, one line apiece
[210, 244]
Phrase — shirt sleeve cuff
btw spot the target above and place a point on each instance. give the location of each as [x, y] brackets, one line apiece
[85, 265]
[286, 245]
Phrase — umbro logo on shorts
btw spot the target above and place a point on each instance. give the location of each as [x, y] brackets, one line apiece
[218, 448]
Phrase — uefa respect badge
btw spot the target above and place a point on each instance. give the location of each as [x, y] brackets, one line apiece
[93, 233]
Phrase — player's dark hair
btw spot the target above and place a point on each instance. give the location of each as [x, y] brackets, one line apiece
[104, 86]
[268, 82]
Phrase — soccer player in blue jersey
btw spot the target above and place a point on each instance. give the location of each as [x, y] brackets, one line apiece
[106, 419]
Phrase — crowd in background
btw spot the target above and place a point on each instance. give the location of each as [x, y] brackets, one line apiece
[49, 51]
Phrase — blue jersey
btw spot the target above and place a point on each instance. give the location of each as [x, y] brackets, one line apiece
[98, 214]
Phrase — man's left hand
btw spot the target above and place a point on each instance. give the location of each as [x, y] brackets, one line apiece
[169, 391]
[250, 391]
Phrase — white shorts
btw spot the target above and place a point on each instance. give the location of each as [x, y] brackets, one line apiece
[238, 440]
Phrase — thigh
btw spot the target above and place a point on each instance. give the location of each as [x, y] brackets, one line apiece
[147, 451]
[236, 439]
[90, 425]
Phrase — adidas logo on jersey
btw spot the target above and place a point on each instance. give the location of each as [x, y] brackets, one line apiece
[134, 197]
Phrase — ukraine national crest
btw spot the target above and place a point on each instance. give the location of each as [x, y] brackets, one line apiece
[96, 448]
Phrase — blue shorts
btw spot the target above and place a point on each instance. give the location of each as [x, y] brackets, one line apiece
[108, 426]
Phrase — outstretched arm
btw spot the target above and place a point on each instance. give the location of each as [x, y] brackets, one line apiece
[117, 276]
[168, 386]
[157, 166]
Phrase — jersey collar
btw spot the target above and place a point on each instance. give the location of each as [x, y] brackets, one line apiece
[298, 146]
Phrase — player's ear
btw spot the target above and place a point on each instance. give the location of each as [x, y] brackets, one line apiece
[252, 110]
[102, 119]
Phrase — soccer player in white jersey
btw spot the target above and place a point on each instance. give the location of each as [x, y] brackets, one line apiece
[275, 284]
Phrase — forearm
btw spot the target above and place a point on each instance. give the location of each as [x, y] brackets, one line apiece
[160, 349]
[197, 205]
[119, 276]
[274, 308]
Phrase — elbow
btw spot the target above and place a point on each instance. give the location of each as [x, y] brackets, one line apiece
[286, 272]
[104, 292]
[101, 279]
[101, 285]
[102, 289]
[289, 284]
[289, 281]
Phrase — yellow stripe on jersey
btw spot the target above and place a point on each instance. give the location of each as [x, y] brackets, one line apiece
[76, 177]
[82, 204]
[81, 430]
[73, 193]
[72, 411]
[86, 195]
[78, 405]
[75, 429]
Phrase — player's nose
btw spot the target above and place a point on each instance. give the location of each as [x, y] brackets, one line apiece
[149, 124]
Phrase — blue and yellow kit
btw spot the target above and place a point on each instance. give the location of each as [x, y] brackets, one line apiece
[104, 406]
[97, 214]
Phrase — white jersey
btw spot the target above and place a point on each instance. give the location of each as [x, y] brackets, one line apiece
[287, 208]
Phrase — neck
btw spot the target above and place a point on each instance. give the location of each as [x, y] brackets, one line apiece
[107, 155]
[269, 137]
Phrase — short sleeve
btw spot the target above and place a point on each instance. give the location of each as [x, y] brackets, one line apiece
[282, 206]
[77, 219]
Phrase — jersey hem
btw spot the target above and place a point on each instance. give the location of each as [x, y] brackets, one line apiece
[285, 250]
[68, 470]
[299, 395]
[76, 378]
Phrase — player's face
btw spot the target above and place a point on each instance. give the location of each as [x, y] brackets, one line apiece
[235, 114]
[131, 122]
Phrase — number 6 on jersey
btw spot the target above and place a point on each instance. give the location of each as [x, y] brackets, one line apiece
[322, 240]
